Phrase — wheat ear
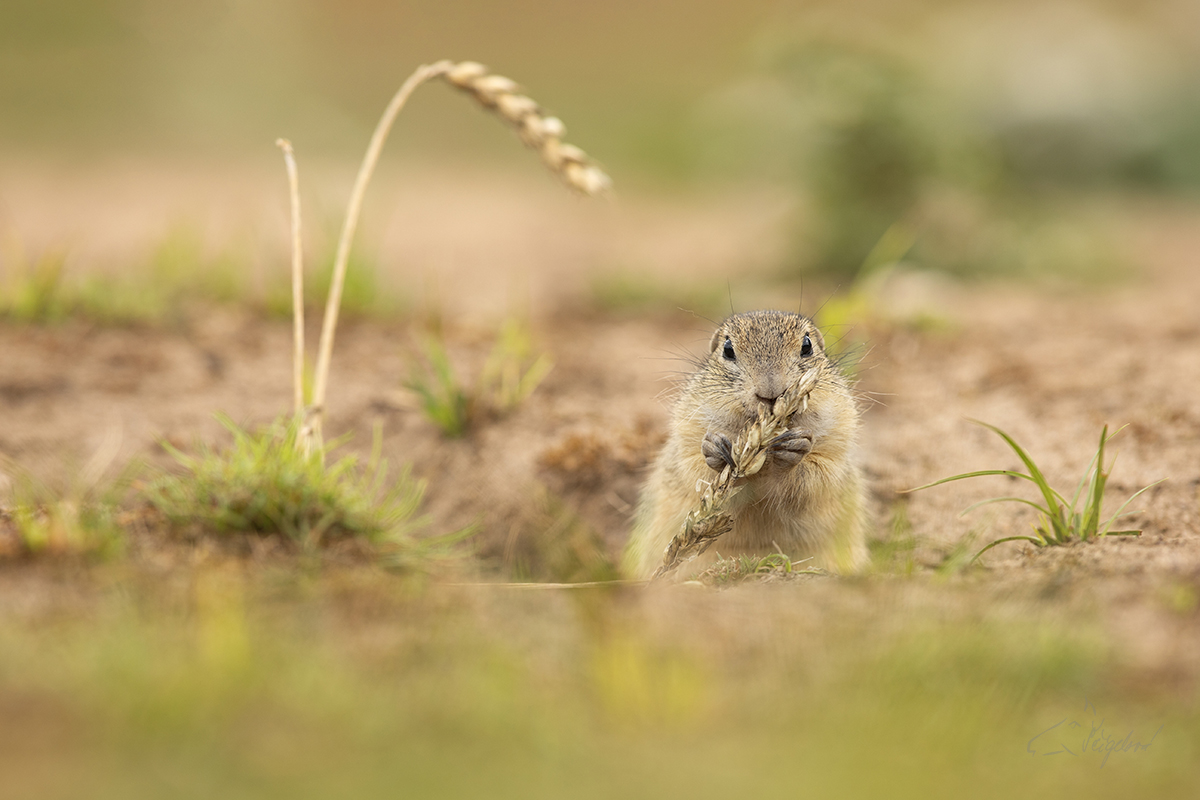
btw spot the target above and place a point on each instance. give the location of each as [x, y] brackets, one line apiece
[495, 92]
[710, 520]
[536, 128]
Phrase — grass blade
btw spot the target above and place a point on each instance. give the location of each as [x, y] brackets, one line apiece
[1083, 480]
[1091, 517]
[1036, 541]
[989, 501]
[981, 473]
[1053, 499]
[1124, 505]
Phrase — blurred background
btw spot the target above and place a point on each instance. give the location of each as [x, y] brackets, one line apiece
[988, 137]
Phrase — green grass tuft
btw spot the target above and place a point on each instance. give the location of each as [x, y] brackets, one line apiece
[264, 483]
[444, 399]
[78, 516]
[33, 291]
[1059, 522]
[512, 372]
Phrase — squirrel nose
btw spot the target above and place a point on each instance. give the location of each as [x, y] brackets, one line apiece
[769, 402]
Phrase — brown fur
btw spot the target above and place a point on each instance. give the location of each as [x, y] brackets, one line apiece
[810, 508]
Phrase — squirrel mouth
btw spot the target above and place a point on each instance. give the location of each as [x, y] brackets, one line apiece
[789, 405]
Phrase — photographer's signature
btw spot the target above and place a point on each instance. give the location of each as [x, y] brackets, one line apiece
[1077, 738]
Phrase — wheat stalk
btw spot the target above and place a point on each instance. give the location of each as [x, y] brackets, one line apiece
[289, 158]
[309, 437]
[710, 520]
[495, 92]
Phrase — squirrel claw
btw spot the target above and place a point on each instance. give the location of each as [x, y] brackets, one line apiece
[790, 447]
[717, 450]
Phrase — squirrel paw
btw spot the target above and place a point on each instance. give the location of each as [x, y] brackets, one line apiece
[717, 450]
[791, 446]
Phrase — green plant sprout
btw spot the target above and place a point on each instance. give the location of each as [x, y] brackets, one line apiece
[512, 372]
[509, 376]
[1059, 523]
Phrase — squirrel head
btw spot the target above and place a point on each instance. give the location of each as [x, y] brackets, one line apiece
[754, 357]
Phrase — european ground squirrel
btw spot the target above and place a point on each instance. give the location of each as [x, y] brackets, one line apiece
[807, 501]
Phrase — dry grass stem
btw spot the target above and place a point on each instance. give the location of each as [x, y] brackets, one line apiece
[543, 133]
[353, 209]
[289, 158]
[710, 520]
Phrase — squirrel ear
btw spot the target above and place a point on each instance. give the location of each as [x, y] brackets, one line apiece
[712, 346]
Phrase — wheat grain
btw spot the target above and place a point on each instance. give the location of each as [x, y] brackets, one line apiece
[536, 128]
[710, 520]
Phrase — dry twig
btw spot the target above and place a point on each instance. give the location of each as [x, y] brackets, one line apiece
[710, 520]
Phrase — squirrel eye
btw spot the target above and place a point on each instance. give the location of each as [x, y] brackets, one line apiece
[728, 351]
[805, 348]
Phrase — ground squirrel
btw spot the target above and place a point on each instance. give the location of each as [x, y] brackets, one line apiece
[808, 500]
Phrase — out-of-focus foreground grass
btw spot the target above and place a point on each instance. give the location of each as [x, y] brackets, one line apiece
[217, 681]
